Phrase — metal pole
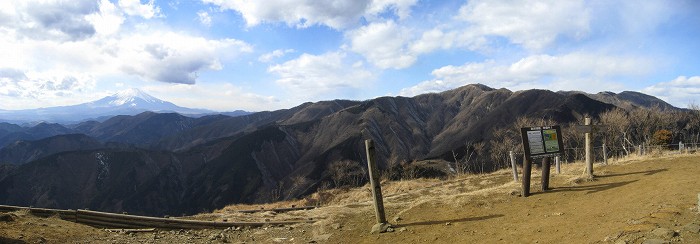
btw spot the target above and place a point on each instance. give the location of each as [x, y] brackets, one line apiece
[558, 164]
[605, 155]
[381, 225]
[514, 166]
[545, 174]
[589, 149]
[527, 169]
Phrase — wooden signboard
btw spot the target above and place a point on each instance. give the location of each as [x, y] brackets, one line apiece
[542, 142]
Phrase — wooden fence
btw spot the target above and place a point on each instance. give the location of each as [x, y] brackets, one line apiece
[112, 220]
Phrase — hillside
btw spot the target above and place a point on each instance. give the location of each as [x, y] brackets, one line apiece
[199, 164]
[635, 200]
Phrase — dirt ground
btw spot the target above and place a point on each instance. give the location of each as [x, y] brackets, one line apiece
[637, 200]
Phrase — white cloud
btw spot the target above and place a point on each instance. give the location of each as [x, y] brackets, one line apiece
[57, 61]
[383, 44]
[108, 20]
[325, 76]
[210, 95]
[337, 14]
[533, 24]
[204, 18]
[268, 57]
[135, 8]
[574, 71]
[20, 88]
[173, 57]
[48, 20]
[680, 91]
[402, 8]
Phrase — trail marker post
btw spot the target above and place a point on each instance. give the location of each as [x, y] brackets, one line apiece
[588, 129]
[589, 148]
[514, 166]
[605, 155]
[382, 225]
[539, 142]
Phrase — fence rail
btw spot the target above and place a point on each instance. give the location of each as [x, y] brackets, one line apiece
[112, 220]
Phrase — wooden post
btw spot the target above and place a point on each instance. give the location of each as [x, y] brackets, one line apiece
[381, 225]
[557, 162]
[514, 166]
[589, 149]
[639, 150]
[680, 147]
[545, 174]
[527, 170]
[605, 155]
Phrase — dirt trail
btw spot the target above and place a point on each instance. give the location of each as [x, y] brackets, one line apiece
[624, 203]
[635, 201]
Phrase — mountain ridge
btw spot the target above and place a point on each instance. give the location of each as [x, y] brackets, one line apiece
[291, 151]
[127, 102]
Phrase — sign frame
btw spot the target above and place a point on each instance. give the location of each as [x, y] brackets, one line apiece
[542, 141]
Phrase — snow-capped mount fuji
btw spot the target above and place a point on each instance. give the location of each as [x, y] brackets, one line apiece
[127, 102]
[131, 97]
[136, 99]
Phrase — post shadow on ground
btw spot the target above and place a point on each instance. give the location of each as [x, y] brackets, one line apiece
[439, 222]
[590, 188]
[11, 241]
[648, 172]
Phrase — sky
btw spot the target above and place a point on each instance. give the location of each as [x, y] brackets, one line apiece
[226, 55]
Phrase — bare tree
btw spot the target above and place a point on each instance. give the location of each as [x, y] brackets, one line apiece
[616, 128]
[347, 172]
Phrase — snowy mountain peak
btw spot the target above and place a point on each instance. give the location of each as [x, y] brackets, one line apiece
[131, 97]
[127, 102]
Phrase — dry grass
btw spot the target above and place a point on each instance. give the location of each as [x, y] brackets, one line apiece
[404, 195]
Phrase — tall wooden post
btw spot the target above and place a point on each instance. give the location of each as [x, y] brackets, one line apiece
[381, 225]
[589, 149]
[557, 162]
[545, 174]
[527, 170]
[605, 155]
[514, 166]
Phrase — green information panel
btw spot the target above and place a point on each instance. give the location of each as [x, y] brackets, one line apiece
[551, 141]
[543, 141]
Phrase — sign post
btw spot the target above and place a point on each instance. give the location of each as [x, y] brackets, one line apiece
[382, 225]
[539, 142]
[589, 148]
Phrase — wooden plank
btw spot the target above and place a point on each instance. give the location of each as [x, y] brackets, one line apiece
[113, 220]
[277, 210]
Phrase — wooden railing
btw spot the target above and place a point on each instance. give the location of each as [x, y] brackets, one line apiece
[113, 220]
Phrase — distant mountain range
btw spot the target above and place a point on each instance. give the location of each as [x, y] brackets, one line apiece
[128, 102]
[167, 163]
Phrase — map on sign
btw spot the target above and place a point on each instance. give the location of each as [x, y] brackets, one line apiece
[540, 142]
[551, 142]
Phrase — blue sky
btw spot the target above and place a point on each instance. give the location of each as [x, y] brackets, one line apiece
[264, 55]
